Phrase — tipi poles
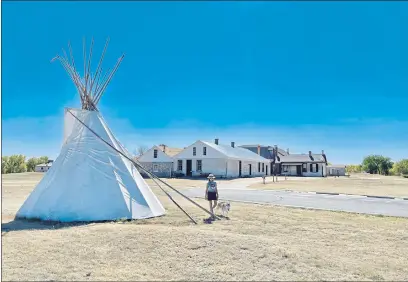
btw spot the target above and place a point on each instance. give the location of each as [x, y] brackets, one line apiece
[91, 86]
[172, 188]
[101, 82]
[89, 68]
[100, 92]
[171, 198]
[137, 165]
[71, 74]
[99, 67]
[71, 70]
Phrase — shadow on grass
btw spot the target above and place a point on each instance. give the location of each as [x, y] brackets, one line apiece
[21, 224]
[34, 224]
[210, 219]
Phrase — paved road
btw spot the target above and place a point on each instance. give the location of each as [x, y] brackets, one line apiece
[348, 203]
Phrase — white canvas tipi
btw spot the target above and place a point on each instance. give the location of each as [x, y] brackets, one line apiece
[90, 181]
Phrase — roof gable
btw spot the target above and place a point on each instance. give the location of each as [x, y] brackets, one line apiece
[296, 158]
[265, 151]
[171, 152]
[211, 151]
[148, 156]
[236, 152]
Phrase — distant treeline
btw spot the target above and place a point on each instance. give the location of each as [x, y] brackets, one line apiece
[377, 164]
[374, 164]
[18, 163]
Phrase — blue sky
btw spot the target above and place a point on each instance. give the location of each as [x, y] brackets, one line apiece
[302, 75]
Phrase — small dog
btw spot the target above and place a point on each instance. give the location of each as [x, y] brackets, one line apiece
[224, 207]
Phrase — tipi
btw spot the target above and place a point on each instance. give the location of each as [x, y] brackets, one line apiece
[90, 181]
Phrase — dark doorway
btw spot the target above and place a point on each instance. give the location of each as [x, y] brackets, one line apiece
[239, 168]
[266, 170]
[250, 169]
[299, 170]
[189, 167]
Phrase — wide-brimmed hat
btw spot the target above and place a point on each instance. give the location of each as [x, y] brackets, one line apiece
[211, 176]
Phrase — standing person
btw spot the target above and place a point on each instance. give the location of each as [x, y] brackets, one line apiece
[211, 193]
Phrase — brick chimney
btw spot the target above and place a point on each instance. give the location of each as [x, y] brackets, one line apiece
[310, 153]
[322, 152]
[259, 149]
[216, 141]
[287, 151]
[164, 148]
[233, 144]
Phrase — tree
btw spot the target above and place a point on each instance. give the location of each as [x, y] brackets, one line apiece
[13, 164]
[353, 169]
[401, 167]
[32, 162]
[141, 150]
[377, 164]
[4, 164]
[43, 160]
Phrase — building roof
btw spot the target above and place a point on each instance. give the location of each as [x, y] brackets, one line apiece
[264, 150]
[170, 151]
[49, 164]
[337, 165]
[303, 158]
[236, 152]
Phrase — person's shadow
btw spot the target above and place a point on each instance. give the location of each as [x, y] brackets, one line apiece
[211, 219]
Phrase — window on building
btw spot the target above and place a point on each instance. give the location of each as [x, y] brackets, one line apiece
[155, 168]
[285, 168]
[180, 165]
[155, 154]
[199, 165]
[313, 168]
[259, 167]
[304, 168]
[317, 167]
[263, 167]
[204, 151]
[194, 151]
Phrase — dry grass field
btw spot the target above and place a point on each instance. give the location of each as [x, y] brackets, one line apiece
[259, 242]
[359, 184]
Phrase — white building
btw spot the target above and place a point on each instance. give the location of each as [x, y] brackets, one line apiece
[336, 170]
[159, 160]
[202, 158]
[310, 165]
[42, 167]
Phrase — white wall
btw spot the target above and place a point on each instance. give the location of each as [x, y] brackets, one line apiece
[292, 170]
[41, 168]
[215, 162]
[187, 153]
[321, 167]
[215, 166]
[233, 168]
[148, 157]
[332, 170]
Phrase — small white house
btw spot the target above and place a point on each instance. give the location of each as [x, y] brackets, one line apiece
[309, 165]
[159, 160]
[42, 167]
[336, 170]
[203, 157]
